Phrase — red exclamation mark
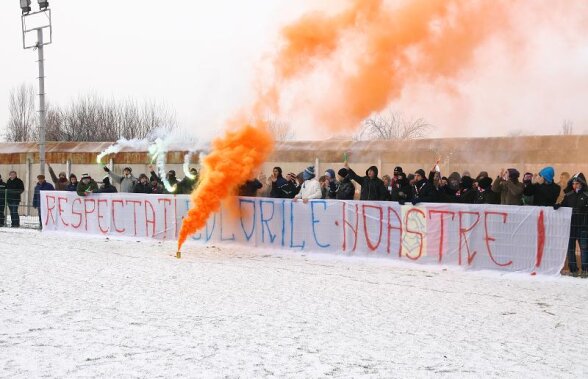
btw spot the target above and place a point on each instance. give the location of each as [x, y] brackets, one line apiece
[540, 240]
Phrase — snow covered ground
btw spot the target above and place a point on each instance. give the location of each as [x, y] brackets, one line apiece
[72, 306]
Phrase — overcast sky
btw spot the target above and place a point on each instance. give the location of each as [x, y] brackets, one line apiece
[196, 56]
[199, 57]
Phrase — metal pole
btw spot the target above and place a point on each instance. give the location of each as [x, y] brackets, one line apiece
[41, 101]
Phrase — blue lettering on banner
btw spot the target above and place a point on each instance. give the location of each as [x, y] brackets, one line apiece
[283, 221]
[316, 221]
[209, 235]
[265, 222]
[232, 238]
[292, 228]
[250, 234]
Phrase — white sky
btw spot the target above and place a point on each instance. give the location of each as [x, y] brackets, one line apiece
[200, 57]
[196, 56]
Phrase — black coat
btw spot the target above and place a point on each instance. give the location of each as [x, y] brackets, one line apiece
[2, 192]
[543, 194]
[107, 188]
[424, 192]
[283, 189]
[487, 197]
[371, 189]
[14, 188]
[401, 192]
[250, 188]
[579, 204]
[345, 190]
[142, 188]
[466, 197]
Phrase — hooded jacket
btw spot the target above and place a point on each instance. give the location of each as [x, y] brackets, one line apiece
[60, 183]
[578, 201]
[544, 194]
[511, 190]
[371, 189]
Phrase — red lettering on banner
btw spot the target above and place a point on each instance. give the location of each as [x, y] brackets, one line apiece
[148, 221]
[441, 213]
[399, 228]
[464, 237]
[540, 238]
[347, 223]
[420, 234]
[165, 202]
[86, 212]
[60, 209]
[76, 213]
[371, 246]
[100, 216]
[488, 238]
[49, 209]
[113, 202]
[134, 202]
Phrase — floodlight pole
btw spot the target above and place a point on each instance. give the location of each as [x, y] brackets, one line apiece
[42, 113]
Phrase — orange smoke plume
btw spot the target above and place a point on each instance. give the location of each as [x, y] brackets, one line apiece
[233, 161]
[372, 50]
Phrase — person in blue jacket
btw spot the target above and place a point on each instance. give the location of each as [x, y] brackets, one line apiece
[42, 185]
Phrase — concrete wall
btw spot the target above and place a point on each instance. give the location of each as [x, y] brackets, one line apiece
[564, 153]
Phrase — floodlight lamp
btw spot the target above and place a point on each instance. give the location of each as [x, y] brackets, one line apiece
[25, 5]
[43, 4]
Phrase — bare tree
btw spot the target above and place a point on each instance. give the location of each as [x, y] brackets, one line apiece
[87, 118]
[281, 130]
[567, 128]
[22, 120]
[391, 125]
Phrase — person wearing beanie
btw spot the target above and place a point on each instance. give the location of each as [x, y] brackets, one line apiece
[508, 186]
[106, 187]
[72, 185]
[331, 184]
[345, 189]
[86, 185]
[372, 187]
[60, 181]
[423, 190]
[577, 199]
[42, 185]
[542, 190]
[484, 193]
[127, 181]
[311, 188]
[527, 197]
[187, 185]
[466, 193]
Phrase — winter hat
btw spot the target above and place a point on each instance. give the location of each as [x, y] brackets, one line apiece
[143, 176]
[72, 175]
[331, 173]
[398, 170]
[41, 177]
[343, 172]
[547, 173]
[106, 180]
[128, 169]
[482, 174]
[86, 176]
[172, 172]
[485, 183]
[62, 173]
[421, 172]
[528, 177]
[466, 173]
[308, 173]
[513, 173]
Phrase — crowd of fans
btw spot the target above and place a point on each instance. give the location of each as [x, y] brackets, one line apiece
[507, 188]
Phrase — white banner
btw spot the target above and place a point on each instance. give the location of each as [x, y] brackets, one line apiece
[494, 237]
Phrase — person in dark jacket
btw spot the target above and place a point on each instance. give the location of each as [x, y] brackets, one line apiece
[2, 200]
[331, 184]
[527, 197]
[423, 191]
[508, 186]
[106, 187]
[281, 187]
[187, 185]
[60, 181]
[345, 188]
[484, 193]
[87, 185]
[401, 189]
[544, 191]
[577, 199]
[14, 189]
[250, 188]
[155, 188]
[466, 193]
[42, 185]
[372, 187]
[73, 183]
[142, 186]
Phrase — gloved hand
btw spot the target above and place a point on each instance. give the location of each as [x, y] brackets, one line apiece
[415, 201]
[106, 169]
[556, 206]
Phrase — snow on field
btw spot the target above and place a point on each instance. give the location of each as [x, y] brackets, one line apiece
[72, 306]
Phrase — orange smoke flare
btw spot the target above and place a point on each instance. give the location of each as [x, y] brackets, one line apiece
[372, 50]
[232, 162]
